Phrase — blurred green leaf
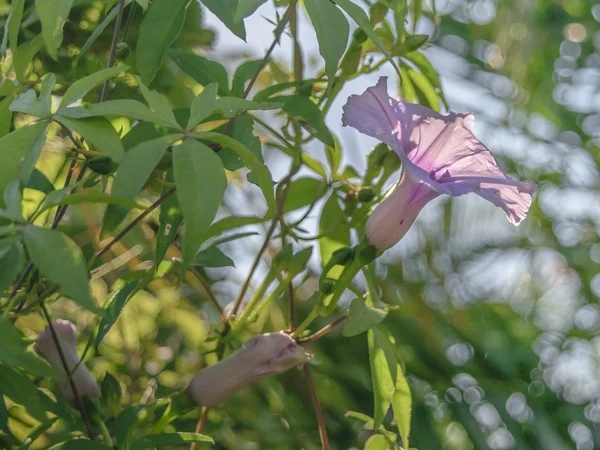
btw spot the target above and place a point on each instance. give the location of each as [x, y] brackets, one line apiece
[15, 147]
[38, 181]
[20, 389]
[53, 14]
[110, 389]
[12, 260]
[225, 10]
[244, 73]
[203, 70]
[24, 55]
[155, 440]
[402, 405]
[361, 318]
[98, 133]
[14, 352]
[13, 23]
[169, 220]
[212, 257]
[29, 103]
[120, 108]
[308, 115]
[250, 160]
[332, 31]
[60, 260]
[335, 231]
[242, 130]
[201, 182]
[420, 81]
[361, 19]
[116, 303]
[304, 192]
[377, 442]
[83, 444]
[382, 361]
[137, 165]
[246, 8]
[82, 86]
[334, 157]
[161, 25]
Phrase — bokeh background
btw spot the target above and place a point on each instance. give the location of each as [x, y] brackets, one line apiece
[497, 326]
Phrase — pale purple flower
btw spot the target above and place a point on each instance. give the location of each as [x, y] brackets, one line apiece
[67, 337]
[439, 154]
[261, 356]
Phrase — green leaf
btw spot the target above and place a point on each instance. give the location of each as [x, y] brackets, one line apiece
[135, 168]
[304, 192]
[246, 8]
[334, 157]
[160, 104]
[99, 29]
[201, 182]
[309, 115]
[39, 182]
[11, 263]
[362, 20]
[244, 73]
[203, 70]
[299, 86]
[13, 23]
[160, 27]
[20, 389]
[111, 393]
[15, 146]
[116, 303]
[53, 15]
[60, 260]
[382, 360]
[92, 197]
[332, 31]
[225, 10]
[377, 442]
[99, 134]
[402, 405]
[4, 417]
[84, 85]
[124, 424]
[5, 116]
[361, 318]
[170, 218]
[425, 88]
[212, 257]
[83, 444]
[31, 159]
[24, 55]
[29, 103]
[336, 232]
[250, 160]
[409, 92]
[13, 351]
[242, 130]
[412, 43]
[423, 64]
[156, 440]
[120, 108]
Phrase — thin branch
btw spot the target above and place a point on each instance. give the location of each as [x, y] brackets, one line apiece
[317, 406]
[323, 331]
[63, 360]
[200, 425]
[113, 49]
[133, 223]
[208, 288]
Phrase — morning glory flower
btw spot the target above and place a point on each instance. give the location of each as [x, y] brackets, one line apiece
[439, 154]
[263, 355]
[67, 337]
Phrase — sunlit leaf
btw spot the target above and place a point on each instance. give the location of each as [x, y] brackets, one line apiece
[82, 86]
[201, 182]
[361, 318]
[201, 69]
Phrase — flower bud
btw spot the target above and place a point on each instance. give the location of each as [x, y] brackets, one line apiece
[327, 286]
[46, 347]
[366, 195]
[261, 356]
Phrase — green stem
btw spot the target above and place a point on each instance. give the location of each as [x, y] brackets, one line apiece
[104, 431]
[258, 294]
[312, 315]
[272, 297]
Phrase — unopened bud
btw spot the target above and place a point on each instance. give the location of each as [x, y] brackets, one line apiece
[341, 256]
[366, 254]
[327, 286]
[261, 356]
[102, 164]
[45, 346]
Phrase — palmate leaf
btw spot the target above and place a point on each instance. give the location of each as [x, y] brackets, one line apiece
[82, 86]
